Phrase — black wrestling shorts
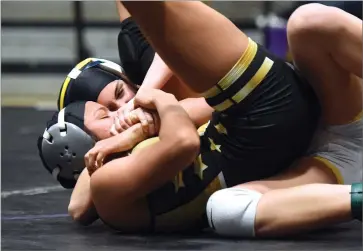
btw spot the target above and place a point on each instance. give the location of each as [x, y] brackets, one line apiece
[265, 118]
[136, 54]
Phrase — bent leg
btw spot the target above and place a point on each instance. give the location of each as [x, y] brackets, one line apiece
[305, 197]
[289, 203]
[306, 171]
[326, 45]
[199, 44]
[302, 208]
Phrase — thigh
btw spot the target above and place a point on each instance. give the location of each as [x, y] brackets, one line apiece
[334, 157]
[200, 52]
[340, 148]
[307, 170]
[179, 89]
[339, 92]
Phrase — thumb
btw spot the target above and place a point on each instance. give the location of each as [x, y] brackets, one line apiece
[137, 133]
[131, 104]
[144, 100]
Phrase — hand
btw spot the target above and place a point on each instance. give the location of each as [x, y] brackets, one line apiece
[130, 106]
[149, 121]
[120, 124]
[94, 158]
[147, 98]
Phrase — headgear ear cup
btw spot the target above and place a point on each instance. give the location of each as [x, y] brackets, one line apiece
[63, 145]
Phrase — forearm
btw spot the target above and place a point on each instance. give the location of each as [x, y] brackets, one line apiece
[174, 119]
[198, 110]
[161, 163]
[81, 207]
[130, 137]
[157, 75]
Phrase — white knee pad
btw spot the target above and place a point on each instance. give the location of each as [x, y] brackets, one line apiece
[231, 212]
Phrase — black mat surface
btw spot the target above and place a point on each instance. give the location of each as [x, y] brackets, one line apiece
[34, 209]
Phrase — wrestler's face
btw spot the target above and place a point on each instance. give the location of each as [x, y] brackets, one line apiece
[116, 94]
[98, 120]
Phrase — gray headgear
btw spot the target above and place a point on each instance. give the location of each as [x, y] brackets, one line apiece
[63, 146]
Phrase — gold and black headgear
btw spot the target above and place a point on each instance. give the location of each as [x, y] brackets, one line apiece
[86, 81]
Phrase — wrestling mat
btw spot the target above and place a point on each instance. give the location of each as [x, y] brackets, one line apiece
[34, 208]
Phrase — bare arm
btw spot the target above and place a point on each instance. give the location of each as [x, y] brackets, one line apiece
[157, 75]
[198, 110]
[130, 178]
[81, 207]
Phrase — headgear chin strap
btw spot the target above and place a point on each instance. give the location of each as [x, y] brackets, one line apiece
[62, 148]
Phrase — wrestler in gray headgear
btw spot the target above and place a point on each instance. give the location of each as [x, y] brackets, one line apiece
[64, 143]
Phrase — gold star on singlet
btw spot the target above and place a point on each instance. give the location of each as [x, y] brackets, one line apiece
[201, 130]
[178, 181]
[221, 129]
[213, 146]
[199, 167]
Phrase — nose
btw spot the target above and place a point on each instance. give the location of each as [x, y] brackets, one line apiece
[121, 102]
[114, 114]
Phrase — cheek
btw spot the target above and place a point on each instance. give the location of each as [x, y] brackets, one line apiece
[101, 129]
[129, 94]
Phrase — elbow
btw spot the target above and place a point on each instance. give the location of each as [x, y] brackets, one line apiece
[78, 214]
[74, 212]
[188, 144]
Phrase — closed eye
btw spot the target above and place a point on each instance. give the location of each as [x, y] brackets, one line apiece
[102, 113]
[119, 90]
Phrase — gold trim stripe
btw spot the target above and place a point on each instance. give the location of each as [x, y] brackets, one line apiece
[223, 106]
[254, 81]
[237, 70]
[358, 117]
[249, 87]
[240, 67]
[338, 175]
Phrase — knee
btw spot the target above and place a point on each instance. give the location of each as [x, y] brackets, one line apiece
[231, 212]
[315, 21]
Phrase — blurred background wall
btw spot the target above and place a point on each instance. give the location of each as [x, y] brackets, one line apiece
[41, 41]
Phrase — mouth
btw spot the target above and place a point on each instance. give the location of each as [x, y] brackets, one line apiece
[117, 123]
[115, 127]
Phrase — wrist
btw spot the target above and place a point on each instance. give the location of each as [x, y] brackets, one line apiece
[162, 99]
